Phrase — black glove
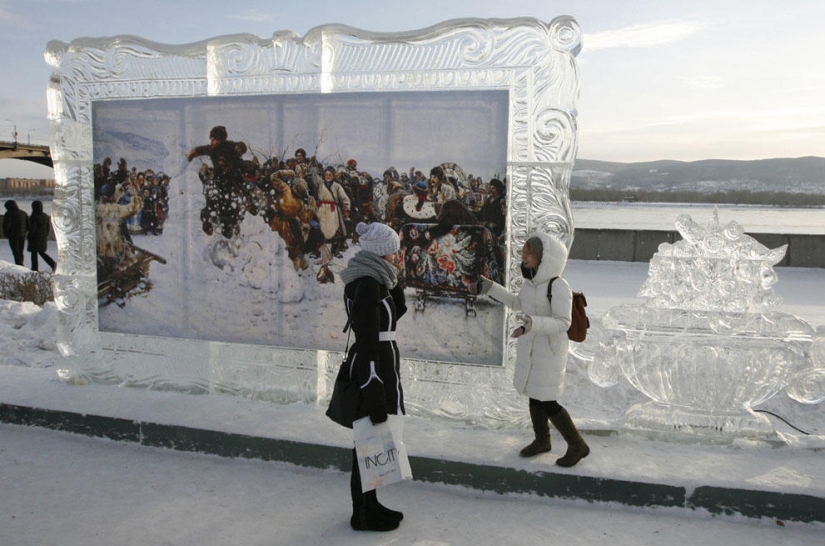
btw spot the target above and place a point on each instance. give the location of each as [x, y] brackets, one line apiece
[484, 285]
[481, 287]
[378, 415]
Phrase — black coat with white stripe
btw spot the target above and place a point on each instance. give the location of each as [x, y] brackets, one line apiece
[375, 364]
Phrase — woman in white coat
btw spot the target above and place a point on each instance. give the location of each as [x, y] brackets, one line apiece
[541, 354]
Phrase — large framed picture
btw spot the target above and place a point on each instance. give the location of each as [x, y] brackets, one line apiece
[207, 197]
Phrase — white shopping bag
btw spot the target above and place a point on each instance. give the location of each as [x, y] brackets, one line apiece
[382, 455]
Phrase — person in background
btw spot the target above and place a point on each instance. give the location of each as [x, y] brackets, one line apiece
[541, 353]
[414, 207]
[224, 188]
[15, 227]
[441, 189]
[114, 251]
[149, 217]
[39, 228]
[121, 174]
[374, 301]
[494, 210]
[333, 212]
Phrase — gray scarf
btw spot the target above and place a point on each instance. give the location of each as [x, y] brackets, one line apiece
[367, 264]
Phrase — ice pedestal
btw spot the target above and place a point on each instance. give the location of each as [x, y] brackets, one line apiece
[704, 370]
[668, 419]
[706, 346]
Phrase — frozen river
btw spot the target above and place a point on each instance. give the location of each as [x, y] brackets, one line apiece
[662, 216]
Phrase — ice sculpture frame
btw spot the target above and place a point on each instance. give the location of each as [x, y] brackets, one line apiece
[532, 60]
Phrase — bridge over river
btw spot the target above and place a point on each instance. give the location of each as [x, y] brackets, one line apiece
[37, 153]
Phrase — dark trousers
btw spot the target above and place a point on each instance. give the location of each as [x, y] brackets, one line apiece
[46, 258]
[355, 484]
[550, 407]
[18, 245]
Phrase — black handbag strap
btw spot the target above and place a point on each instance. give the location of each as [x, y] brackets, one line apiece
[346, 351]
[348, 325]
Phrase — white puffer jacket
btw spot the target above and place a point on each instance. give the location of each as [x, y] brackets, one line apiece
[541, 355]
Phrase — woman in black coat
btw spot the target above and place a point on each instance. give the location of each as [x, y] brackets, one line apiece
[39, 228]
[374, 301]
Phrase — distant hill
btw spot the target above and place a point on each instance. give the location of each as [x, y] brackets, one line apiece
[793, 175]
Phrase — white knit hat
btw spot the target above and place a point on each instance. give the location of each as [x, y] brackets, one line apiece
[377, 238]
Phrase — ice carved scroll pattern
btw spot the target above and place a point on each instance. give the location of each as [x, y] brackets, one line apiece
[533, 60]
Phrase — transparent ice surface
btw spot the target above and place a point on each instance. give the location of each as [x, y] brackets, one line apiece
[534, 61]
[709, 344]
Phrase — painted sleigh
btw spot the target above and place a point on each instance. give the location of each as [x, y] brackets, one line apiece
[116, 283]
[444, 261]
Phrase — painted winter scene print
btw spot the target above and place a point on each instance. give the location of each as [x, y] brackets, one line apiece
[230, 218]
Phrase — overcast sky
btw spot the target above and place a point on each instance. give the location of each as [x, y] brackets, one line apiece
[686, 80]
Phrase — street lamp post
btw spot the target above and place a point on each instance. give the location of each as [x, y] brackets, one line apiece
[15, 129]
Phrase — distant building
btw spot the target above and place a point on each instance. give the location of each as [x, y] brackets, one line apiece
[26, 186]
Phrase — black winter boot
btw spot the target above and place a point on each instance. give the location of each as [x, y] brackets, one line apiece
[371, 499]
[364, 519]
[577, 448]
[542, 429]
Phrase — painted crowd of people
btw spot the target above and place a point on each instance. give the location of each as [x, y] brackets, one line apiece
[312, 206]
[151, 187]
[315, 206]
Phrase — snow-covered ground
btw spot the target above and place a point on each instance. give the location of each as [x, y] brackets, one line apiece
[64, 489]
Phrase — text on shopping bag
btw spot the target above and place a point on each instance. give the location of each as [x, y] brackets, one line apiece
[383, 458]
